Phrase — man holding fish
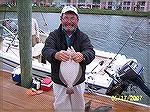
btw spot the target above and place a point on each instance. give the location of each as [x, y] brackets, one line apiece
[68, 50]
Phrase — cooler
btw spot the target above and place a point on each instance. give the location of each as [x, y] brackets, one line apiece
[46, 84]
[16, 75]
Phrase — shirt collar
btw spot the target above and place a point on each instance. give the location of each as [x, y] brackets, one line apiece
[66, 32]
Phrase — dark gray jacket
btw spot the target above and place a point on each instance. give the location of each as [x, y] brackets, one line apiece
[56, 41]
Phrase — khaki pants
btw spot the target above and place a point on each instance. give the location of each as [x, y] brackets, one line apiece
[62, 100]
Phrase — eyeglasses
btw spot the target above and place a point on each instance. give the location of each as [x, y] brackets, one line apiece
[65, 18]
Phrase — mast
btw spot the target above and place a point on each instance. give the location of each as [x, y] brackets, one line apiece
[24, 32]
[148, 49]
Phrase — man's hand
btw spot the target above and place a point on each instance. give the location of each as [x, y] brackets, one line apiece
[62, 56]
[77, 57]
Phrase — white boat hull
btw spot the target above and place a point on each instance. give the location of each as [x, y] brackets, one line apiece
[95, 74]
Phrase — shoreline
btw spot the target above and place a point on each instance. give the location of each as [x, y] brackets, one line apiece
[95, 11]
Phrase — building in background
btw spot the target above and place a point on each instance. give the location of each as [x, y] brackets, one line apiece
[131, 5]
[2, 1]
[136, 5]
[10, 2]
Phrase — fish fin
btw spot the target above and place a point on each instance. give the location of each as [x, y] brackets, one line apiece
[78, 76]
[62, 78]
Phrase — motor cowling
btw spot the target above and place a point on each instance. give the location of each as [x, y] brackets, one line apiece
[130, 71]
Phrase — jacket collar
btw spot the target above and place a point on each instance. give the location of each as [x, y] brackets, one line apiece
[61, 29]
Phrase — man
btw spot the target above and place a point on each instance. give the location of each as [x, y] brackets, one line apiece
[35, 32]
[54, 51]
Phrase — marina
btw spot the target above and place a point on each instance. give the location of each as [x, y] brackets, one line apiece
[42, 70]
[118, 64]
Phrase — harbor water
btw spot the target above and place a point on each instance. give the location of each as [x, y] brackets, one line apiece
[109, 33]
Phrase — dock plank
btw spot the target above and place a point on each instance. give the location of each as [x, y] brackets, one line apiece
[14, 98]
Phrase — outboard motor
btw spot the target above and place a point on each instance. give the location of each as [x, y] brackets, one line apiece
[130, 73]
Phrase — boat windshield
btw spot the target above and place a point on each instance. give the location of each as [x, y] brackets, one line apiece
[8, 27]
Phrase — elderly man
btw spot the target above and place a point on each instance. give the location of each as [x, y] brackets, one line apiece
[54, 51]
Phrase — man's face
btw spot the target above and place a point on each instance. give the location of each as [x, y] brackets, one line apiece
[69, 21]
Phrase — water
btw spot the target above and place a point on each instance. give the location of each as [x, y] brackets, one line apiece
[108, 33]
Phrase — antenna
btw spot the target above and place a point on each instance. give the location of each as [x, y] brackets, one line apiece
[130, 36]
[41, 12]
[45, 23]
[44, 19]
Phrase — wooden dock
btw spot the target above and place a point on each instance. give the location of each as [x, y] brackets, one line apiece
[15, 98]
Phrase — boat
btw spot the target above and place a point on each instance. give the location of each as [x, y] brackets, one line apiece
[9, 50]
[105, 73]
[10, 27]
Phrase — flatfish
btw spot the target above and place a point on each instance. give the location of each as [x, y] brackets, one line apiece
[69, 73]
